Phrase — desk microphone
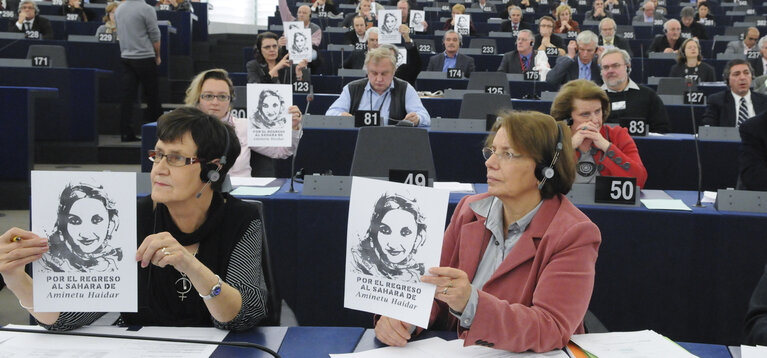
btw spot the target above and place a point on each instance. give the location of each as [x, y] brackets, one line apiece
[641, 60]
[156, 339]
[342, 66]
[309, 99]
[689, 82]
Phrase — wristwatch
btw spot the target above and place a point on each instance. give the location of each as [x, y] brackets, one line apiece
[215, 291]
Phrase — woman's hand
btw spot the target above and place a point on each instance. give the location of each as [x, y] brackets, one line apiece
[18, 248]
[295, 113]
[589, 134]
[453, 286]
[162, 249]
[392, 332]
[282, 41]
[300, 69]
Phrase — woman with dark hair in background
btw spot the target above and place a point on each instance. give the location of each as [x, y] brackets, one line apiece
[271, 63]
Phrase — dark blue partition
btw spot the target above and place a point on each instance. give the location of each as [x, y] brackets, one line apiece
[181, 41]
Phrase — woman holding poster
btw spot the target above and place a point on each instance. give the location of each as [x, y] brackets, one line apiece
[199, 250]
[517, 266]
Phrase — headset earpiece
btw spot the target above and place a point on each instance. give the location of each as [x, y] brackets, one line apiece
[548, 172]
[210, 172]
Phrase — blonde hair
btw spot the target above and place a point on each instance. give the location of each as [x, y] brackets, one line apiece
[195, 88]
[110, 7]
[561, 8]
[459, 7]
[582, 89]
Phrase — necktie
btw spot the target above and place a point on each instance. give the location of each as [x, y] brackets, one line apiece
[524, 64]
[584, 72]
[742, 111]
[27, 26]
[514, 27]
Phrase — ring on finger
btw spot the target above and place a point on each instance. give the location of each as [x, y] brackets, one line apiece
[165, 251]
[444, 292]
[450, 284]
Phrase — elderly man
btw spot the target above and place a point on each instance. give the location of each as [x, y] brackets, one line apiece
[760, 64]
[451, 58]
[356, 36]
[690, 27]
[747, 45]
[404, 6]
[608, 38]
[627, 99]
[30, 23]
[670, 41]
[648, 13]
[304, 15]
[357, 58]
[394, 99]
[580, 62]
[522, 59]
[514, 23]
[731, 107]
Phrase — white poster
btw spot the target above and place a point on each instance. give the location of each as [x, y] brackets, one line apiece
[269, 123]
[90, 221]
[417, 19]
[299, 45]
[461, 24]
[394, 236]
[401, 56]
[388, 26]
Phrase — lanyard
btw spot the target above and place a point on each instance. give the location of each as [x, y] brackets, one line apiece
[382, 101]
[521, 63]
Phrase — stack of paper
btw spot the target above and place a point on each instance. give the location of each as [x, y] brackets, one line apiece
[439, 348]
[638, 344]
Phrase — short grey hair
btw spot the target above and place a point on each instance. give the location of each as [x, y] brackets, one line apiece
[626, 57]
[370, 31]
[514, 7]
[606, 20]
[762, 41]
[526, 31]
[669, 22]
[33, 2]
[378, 54]
[451, 31]
[687, 11]
[587, 37]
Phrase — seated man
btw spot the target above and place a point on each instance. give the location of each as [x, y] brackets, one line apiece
[669, 42]
[356, 36]
[30, 23]
[580, 64]
[451, 58]
[648, 13]
[731, 107]
[404, 6]
[760, 64]
[522, 59]
[514, 23]
[394, 99]
[627, 99]
[608, 39]
[357, 59]
[304, 14]
[752, 168]
[546, 37]
[691, 28]
[747, 45]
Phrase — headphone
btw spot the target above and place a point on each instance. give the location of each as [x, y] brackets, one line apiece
[37, 9]
[210, 171]
[547, 172]
[728, 67]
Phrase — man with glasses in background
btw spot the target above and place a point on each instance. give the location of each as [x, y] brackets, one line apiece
[580, 62]
[609, 39]
[747, 45]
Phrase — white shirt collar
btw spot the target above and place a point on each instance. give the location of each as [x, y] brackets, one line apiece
[632, 85]
[737, 98]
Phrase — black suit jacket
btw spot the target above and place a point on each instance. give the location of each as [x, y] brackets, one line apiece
[511, 62]
[567, 70]
[620, 43]
[757, 65]
[356, 60]
[350, 38]
[506, 26]
[462, 62]
[40, 24]
[721, 108]
[752, 167]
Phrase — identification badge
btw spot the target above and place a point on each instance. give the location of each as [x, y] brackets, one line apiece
[618, 106]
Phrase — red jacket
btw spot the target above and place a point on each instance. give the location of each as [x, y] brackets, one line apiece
[538, 296]
[622, 158]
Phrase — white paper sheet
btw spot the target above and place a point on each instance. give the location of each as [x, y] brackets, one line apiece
[637, 344]
[454, 186]
[665, 204]
[250, 181]
[394, 235]
[439, 348]
[417, 19]
[461, 24]
[269, 123]
[254, 190]
[299, 43]
[709, 197]
[401, 56]
[90, 221]
[753, 351]
[28, 345]
[388, 26]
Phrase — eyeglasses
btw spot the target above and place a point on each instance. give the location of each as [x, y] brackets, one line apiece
[210, 97]
[614, 66]
[487, 152]
[173, 159]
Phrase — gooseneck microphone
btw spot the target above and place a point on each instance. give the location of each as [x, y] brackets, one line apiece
[309, 99]
[689, 83]
[156, 339]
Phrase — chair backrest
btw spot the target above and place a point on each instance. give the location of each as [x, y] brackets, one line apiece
[56, 54]
[480, 80]
[338, 47]
[274, 301]
[730, 56]
[662, 55]
[380, 149]
[348, 72]
[483, 44]
[479, 105]
[674, 85]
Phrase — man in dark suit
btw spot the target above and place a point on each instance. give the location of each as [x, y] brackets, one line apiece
[451, 58]
[356, 36]
[522, 59]
[731, 107]
[607, 36]
[514, 23]
[30, 23]
[579, 63]
[357, 58]
[752, 161]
